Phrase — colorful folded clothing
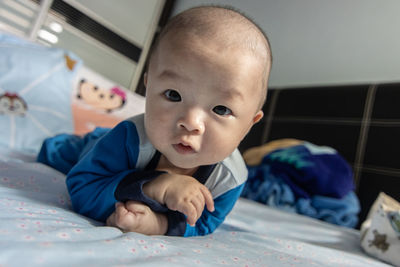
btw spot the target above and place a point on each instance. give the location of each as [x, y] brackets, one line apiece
[312, 170]
[307, 168]
[341, 211]
[301, 177]
[264, 187]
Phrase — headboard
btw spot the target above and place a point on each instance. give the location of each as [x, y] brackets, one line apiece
[362, 122]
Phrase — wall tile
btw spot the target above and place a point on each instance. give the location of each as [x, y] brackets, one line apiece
[343, 138]
[387, 99]
[329, 102]
[383, 146]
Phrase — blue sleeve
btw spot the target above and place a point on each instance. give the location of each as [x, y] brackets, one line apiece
[92, 182]
[209, 221]
[131, 188]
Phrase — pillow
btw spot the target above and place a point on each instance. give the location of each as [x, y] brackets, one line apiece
[99, 102]
[35, 92]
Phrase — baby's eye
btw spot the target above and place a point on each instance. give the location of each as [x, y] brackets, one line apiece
[172, 95]
[222, 110]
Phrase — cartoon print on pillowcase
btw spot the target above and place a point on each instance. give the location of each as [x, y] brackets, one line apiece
[69, 62]
[100, 98]
[12, 104]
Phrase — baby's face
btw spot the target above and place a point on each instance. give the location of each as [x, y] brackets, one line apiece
[201, 100]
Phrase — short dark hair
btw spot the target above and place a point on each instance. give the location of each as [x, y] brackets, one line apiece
[200, 19]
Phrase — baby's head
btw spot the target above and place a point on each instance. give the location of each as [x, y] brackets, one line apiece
[225, 27]
[205, 85]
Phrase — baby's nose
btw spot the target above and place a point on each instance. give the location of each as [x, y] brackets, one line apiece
[192, 121]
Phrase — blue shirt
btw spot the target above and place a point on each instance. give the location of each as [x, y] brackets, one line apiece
[114, 166]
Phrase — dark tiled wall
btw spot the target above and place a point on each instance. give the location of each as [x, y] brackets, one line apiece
[362, 122]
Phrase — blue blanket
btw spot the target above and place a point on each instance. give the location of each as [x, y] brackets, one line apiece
[307, 179]
[311, 170]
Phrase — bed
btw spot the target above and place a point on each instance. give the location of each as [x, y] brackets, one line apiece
[39, 228]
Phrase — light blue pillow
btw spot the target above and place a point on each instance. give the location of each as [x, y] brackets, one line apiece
[35, 92]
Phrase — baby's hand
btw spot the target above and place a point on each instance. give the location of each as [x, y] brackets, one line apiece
[188, 196]
[137, 217]
[182, 193]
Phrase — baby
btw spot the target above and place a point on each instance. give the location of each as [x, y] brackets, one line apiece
[176, 170]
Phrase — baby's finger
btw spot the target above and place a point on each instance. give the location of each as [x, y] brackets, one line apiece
[208, 198]
[120, 211]
[190, 211]
[198, 204]
[111, 220]
[119, 205]
[135, 206]
[191, 221]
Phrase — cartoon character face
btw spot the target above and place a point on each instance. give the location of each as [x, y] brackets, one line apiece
[100, 98]
[12, 104]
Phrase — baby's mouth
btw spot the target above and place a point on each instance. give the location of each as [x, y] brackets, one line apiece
[183, 149]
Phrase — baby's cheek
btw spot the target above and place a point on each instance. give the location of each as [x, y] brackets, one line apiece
[218, 146]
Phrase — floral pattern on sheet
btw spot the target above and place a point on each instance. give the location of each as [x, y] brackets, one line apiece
[38, 228]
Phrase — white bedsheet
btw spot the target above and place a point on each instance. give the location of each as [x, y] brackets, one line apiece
[38, 228]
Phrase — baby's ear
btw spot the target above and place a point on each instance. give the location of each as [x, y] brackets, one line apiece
[258, 116]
